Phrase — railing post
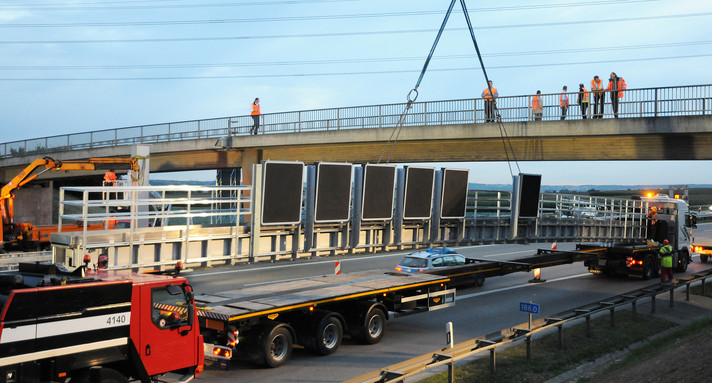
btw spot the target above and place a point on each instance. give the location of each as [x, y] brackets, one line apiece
[425, 114]
[91, 139]
[380, 117]
[656, 102]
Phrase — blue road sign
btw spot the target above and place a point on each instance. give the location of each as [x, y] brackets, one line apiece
[529, 307]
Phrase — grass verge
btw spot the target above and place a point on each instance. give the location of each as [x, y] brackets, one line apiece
[549, 361]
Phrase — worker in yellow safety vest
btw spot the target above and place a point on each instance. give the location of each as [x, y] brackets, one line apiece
[564, 102]
[537, 110]
[583, 100]
[255, 116]
[598, 99]
[665, 256]
[489, 101]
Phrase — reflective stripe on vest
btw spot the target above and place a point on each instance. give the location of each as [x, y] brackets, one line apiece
[563, 100]
[488, 96]
[585, 95]
[536, 106]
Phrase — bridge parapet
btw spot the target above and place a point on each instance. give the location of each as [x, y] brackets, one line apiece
[636, 103]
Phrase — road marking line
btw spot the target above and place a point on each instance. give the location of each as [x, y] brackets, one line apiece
[459, 297]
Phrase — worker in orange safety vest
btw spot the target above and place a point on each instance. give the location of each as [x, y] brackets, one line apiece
[489, 101]
[537, 110]
[110, 178]
[564, 102]
[598, 99]
[255, 116]
[583, 100]
[616, 85]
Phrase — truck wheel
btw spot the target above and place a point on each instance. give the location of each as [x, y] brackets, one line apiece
[327, 336]
[703, 258]
[479, 282]
[648, 271]
[683, 259]
[277, 346]
[103, 375]
[373, 327]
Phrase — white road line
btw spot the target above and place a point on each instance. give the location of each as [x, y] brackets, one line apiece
[459, 297]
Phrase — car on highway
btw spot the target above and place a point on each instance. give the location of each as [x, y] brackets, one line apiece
[439, 261]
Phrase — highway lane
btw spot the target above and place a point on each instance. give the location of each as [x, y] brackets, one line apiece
[478, 311]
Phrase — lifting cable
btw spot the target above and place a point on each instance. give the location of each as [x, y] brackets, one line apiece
[393, 139]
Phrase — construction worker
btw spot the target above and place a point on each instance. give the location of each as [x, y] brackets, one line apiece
[489, 101]
[110, 178]
[652, 222]
[616, 85]
[255, 116]
[597, 89]
[665, 256]
[564, 102]
[583, 100]
[536, 106]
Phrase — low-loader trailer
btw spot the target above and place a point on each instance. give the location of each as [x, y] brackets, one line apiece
[262, 323]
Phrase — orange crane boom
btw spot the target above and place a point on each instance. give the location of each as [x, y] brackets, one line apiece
[37, 168]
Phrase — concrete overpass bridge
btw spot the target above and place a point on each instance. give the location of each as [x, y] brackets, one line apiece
[670, 123]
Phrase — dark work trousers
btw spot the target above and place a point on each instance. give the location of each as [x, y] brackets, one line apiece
[584, 109]
[256, 124]
[598, 99]
[614, 103]
[489, 110]
[537, 116]
[563, 112]
[665, 271]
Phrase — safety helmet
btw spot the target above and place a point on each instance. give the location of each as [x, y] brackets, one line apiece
[665, 242]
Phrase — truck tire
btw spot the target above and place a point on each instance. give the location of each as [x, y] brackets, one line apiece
[648, 268]
[373, 327]
[277, 346]
[103, 375]
[327, 335]
[703, 258]
[683, 259]
[479, 282]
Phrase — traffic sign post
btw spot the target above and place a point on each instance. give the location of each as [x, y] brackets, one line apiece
[531, 308]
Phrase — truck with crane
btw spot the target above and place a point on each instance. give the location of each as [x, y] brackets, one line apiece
[96, 326]
[25, 235]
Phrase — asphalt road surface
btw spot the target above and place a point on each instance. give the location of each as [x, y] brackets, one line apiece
[478, 311]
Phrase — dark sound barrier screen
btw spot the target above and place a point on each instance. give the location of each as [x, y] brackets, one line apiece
[529, 196]
[379, 183]
[282, 192]
[418, 192]
[333, 192]
[454, 197]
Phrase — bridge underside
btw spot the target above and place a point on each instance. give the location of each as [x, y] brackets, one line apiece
[669, 138]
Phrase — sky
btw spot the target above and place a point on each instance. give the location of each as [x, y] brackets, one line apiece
[83, 65]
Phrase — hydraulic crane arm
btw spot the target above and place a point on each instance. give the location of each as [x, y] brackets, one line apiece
[46, 164]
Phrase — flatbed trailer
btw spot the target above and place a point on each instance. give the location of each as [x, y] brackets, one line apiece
[703, 247]
[262, 323]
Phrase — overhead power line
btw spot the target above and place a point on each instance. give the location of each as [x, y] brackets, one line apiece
[349, 61]
[362, 73]
[83, 7]
[341, 34]
[261, 20]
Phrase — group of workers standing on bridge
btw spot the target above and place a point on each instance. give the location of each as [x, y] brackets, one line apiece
[615, 88]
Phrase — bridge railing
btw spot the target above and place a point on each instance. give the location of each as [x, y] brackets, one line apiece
[636, 103]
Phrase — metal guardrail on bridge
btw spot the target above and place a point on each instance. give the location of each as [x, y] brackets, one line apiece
[636, 103]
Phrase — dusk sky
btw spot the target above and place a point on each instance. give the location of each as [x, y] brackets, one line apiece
[75, 66]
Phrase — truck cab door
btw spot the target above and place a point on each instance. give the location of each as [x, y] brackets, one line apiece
[168, 337]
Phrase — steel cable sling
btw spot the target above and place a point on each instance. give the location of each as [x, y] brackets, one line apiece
[393, 139]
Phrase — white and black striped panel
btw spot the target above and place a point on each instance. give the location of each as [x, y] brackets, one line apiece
[39, 320]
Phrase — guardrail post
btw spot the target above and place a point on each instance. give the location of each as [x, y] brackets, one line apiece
[529, 347]
[672, 300]
[561, 336]
[652, 304]
[656, 102]
[493, 360]
[687, 292]
[613, 317]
